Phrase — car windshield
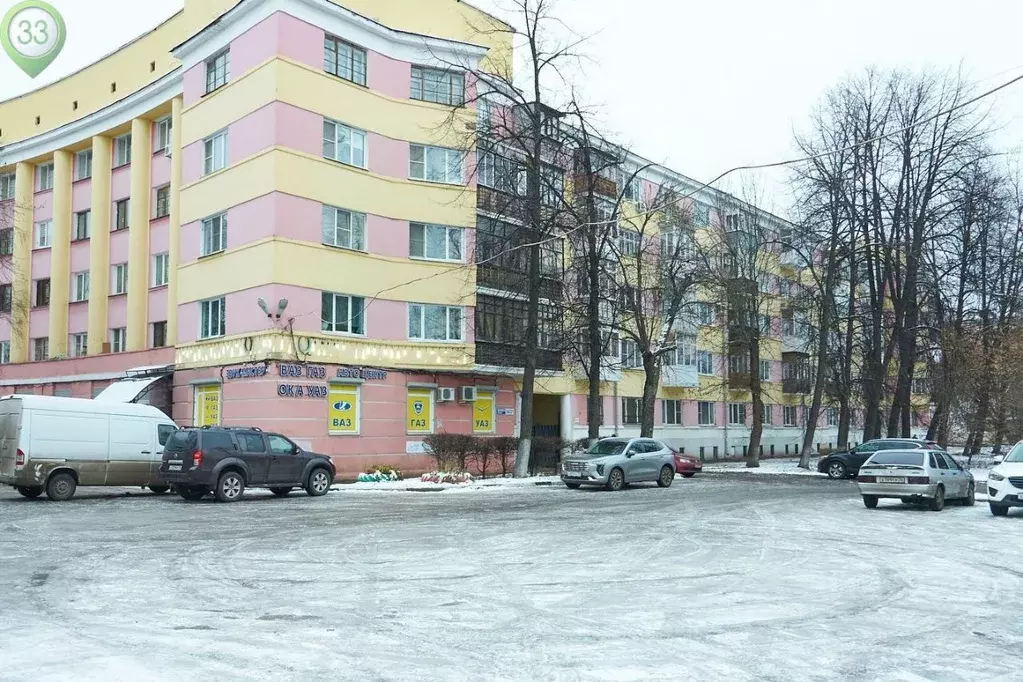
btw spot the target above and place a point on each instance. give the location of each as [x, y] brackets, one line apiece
[897, 457]
[607, 447]
[1016, 454]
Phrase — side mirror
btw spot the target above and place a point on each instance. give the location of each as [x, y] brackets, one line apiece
[295, 449]
[630, 453]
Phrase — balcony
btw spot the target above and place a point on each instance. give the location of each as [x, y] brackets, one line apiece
[611, 369]
[796, 385]
[739, 381]
[494, 276]
[797, 345]
[679, 376]
[513, 355]
[790, 258]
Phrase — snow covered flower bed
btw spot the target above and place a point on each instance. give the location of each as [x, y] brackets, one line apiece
[443, 477]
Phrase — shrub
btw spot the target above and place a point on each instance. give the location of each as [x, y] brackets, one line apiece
[505, 449]
[483, 454]
[450, 450]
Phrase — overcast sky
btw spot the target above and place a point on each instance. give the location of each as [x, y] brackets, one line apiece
[699, 86]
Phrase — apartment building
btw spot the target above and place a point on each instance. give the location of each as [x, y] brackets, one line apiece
[260, 213]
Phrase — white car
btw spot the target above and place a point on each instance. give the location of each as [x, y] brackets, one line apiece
[1005, 482]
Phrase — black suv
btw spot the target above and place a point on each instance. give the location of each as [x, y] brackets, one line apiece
[846, 463]
[226, 460]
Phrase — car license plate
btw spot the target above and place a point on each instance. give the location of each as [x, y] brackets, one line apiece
[888, 479]
[174, 467]
[574, 474]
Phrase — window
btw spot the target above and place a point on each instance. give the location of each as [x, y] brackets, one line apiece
[163, 134]
[214, 235]
[683, 354]
[436, 85]
[42, 292]
[44, 177]
[5, 352]
[701, 214]
[218, 71]
[788, 324]
[344, 144]
[164, 432]
[6, 186]
[159, 334]
[738, 364]
[705, 362]
[435, 242]
[83, 226]
[766, 415]
[163, 202]
[83, 164]
[631, 356]
[484, 116]
[630, 410]
[119, 279]
[434, 322]
[211, 322]
[214, 153]
[765, 370]
[6, 242]
[121, 211]
[279, 445]
[161, 273]
[251, 442]
[705, 313]
[497, 172]
[788, 415]
[552, 185]
[671, 412]
[344, 229]
[40, 349]
[80, 290]
[765, 324]
[737, 414]
[785, 287]
[832, 417]
[705, 413]
[629, 242]
[6, 297]
[342, 314]
[118, 340]
[435, 164]
[344, 60]
[79, 345]
[44, 234]
[122, 150]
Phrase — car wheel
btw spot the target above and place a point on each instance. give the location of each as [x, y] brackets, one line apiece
[319, 482]
[192, 493]
[837, 470]
[870, 501]
[971, 496]
[689, 475]
[30, 491]
[937, 503]
[61, 487]
[666, 477]
[159, 489]
[998, 509]
[572, 486]
[615, 480]
[281, 492]
[230, 487]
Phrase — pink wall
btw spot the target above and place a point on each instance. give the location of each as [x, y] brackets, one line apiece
[81, 195]
[248, 222]
[160, 167]
[38, 324]
[157, 308]
[117, 313]
[40, 265]
[300, 41]
[97, 364]
[120, 188]
[242, 313]
[159, 236]
[389, 76]
[299, 129]
[118, 247]
[79, 256]
[78, 318]
[43, 206]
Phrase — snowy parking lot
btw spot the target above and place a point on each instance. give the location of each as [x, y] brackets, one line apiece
[722, 577]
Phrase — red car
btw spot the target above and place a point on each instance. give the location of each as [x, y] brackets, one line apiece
[686, 465]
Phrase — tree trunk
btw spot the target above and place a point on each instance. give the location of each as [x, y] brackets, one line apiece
[651, 380]
[756, 432]
[529, 371]
[596, 347]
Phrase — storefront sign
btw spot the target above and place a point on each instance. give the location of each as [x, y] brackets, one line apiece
[302, 371]
[300, 391]
[506, 411]
[483, 418]
[343, 414]
[361, 373]
[419, 410]
[207, 405]
[416, 447]
[250, 372]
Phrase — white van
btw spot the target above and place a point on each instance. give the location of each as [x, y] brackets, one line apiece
[57, 444]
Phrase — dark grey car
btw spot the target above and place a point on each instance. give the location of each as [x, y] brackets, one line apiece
[613, 463]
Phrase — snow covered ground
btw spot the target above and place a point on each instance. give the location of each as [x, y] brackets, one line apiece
[787, 467]
[715, 578]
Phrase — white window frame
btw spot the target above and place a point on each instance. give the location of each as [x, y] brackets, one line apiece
[43, 343]
[78, 235]
[127, 214]
[767, 414]
[118, 279]
[419, 169]
[162, 138]
[122, 150]
[43, 234]
[700, 413]
[83, 165]
[632, 411]
[832, 416]
[7, 183]
[789, 415]
[629, 242]
[213, 235]
[207, 328]
[214, 153]
[420, 310]
[218, 71]
[632, 358]
[157, 214]
[343, 228]
[152, 333]
[737, 414]
[79, 345]
[118, 340]
[705, 361]
[332, 326]
[345, 144]
[671, 412]
[765, 375]
[705, 314]
[44, 177]
[454, 241]
[80, 287]
[161, 269]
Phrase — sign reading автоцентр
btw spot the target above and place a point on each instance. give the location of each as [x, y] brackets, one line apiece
[33, 34]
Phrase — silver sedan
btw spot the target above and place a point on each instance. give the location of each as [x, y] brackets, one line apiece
[930, 476]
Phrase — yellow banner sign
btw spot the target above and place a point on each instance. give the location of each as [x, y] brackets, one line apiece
[419, 411]
[483, 412]
[343, 413]
[207, 405]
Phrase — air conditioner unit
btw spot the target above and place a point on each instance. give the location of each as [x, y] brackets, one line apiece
[468, 394]
[445, 395]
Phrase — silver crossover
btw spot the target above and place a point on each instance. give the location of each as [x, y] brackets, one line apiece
[912, 476]
[615, 462]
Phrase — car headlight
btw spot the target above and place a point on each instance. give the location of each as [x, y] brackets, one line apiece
[993, 476]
